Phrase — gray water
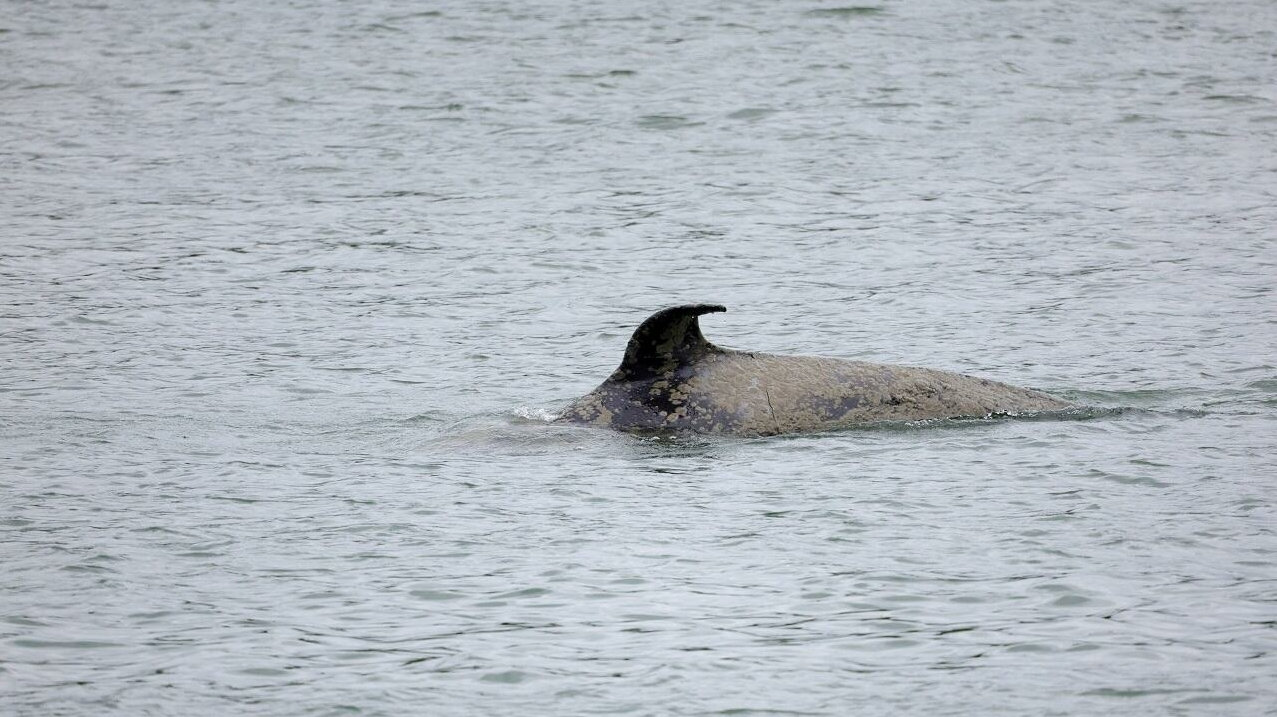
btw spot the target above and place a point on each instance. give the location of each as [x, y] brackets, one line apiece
[288, 292]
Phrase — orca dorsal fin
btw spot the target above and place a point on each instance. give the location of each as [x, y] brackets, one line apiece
[668, 339]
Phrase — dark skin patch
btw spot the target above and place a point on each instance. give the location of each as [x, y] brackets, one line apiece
[830, 408]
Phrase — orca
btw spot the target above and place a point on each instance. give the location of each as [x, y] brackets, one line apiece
[673, 379]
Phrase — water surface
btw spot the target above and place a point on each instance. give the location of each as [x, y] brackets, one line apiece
[287, 294]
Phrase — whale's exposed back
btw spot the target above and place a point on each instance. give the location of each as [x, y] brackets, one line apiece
[673, 379]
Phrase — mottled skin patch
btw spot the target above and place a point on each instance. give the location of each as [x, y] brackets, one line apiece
[673, 379]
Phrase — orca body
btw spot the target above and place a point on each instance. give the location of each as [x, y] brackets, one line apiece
[672, 379]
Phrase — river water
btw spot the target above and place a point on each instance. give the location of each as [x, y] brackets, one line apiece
[289, 290]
